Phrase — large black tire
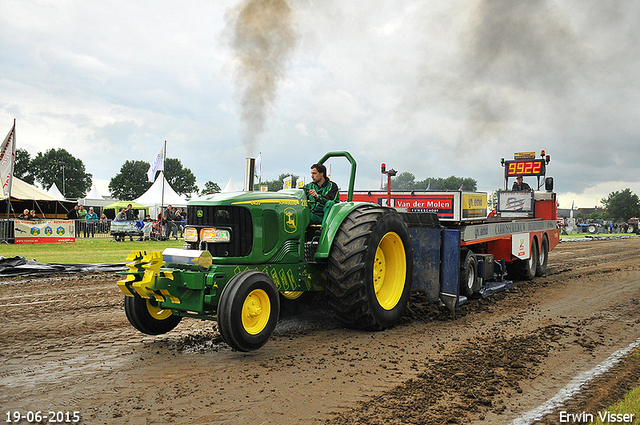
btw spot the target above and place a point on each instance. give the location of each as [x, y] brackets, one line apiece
[632, 229]
[147, 317]
[248, 310]
[469, 282]
[593, 229]
[370, 269]
[543, 257]
[525, 269]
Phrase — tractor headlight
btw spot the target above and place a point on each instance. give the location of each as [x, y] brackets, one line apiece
[215, 235]
[190, 234]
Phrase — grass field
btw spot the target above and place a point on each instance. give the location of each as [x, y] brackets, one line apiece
[85, 251]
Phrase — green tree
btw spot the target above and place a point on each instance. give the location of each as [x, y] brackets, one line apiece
[131, 182]
[22, 166]
[60, 167]
[406, 181]
[622, 205]
[278, 184]
[181, 179]
[403, 181]
[210, 187]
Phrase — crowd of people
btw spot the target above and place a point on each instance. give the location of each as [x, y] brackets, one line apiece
[28, 215]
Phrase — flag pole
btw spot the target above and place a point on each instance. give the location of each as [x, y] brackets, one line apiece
[164, 173]
[11, 165]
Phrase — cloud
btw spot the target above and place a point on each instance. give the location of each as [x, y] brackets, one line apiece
[434, 89]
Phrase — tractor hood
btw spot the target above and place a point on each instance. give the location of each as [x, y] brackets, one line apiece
[284, 197]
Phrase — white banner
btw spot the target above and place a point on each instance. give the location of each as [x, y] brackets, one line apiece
[7, 159]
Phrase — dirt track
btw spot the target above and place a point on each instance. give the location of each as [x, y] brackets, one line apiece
[65, 345]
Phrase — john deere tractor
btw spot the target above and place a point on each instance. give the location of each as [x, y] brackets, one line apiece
[245, 250]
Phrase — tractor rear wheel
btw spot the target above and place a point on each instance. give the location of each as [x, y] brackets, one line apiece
[370, 269]
[525, 269]
[149, 318]
[248, 310]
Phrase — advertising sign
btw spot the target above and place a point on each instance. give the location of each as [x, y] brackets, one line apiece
[474, 205]
[44, 231]
[515, 201]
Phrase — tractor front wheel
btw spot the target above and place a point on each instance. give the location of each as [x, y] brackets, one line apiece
[370, 269]
[147, 317]
[248, 310]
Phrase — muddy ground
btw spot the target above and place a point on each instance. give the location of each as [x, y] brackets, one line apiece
[66, 345]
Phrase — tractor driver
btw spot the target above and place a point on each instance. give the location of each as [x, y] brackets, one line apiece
[322, 193]
[520, 185]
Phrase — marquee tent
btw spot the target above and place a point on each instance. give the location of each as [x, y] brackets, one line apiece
[154, 199]
[95, 199]
[53, 190]
[26, 196]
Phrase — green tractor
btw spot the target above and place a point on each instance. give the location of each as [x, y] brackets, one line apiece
[245, 250]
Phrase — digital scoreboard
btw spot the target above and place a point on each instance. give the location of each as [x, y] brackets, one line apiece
[532, 167]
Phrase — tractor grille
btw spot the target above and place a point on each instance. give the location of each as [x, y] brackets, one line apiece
[238, 219]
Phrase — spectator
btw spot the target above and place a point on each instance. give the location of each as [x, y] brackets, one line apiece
[130, 212]
[104, 224]
[122, 216]
[33, 216]
[73, 214]
[169, 217]
[146, 230]
[82, 214]
[24, 215]
[92, 219]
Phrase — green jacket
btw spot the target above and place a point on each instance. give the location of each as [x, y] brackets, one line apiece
[327, 192]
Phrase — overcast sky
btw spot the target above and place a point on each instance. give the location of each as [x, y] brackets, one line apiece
[435, 88]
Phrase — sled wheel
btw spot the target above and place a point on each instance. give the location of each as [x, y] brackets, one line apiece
[149, 318]
[248, 310]
[525, 269]
[543, 257]
[370, 269]
[469, 282]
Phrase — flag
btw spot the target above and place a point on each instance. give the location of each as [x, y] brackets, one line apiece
[157, 164]
[287, 182]
[301, 183]
[429, 185]
[258, 166]
[7, 160]
[460, 188]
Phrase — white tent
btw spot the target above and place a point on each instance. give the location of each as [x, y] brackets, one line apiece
[24, 195]
[95, 199]
[94, 193]
[230, 187]
[153, 198]
[24, 191]
[53, 190]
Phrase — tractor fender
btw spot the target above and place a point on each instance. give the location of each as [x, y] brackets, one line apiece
[334, 219]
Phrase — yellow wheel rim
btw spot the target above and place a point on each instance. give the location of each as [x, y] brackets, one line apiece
[256, 311]
[292, 295]
[157, 312]
[389, 270]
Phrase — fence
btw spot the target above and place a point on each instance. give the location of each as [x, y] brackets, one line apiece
[6, 230]
[101, 229]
